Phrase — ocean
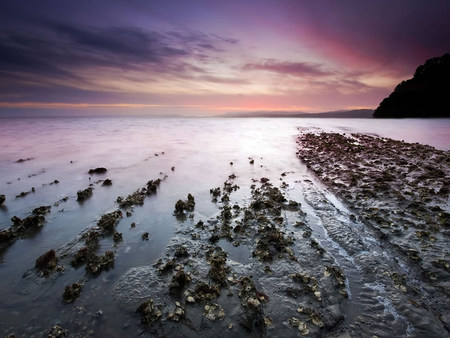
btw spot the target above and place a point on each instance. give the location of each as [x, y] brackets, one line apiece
[48, 159]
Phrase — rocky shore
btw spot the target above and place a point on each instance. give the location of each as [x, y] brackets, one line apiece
[286, 283]
[401, 191]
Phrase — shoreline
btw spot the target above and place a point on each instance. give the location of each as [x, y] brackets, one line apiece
[401, 191]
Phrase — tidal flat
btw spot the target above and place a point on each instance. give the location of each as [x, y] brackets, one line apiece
[274, 230]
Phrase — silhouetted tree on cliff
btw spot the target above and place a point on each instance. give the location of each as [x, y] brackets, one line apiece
[427, 94]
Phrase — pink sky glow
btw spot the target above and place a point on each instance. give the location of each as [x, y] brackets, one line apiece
[212, 57]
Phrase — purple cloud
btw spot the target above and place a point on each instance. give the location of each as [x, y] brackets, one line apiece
[289, 68]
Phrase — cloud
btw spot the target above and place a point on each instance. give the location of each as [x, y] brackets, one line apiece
[223, 80]
[394, 35]
[121, 43]
[73, 53]
[227, 40]
[290, 68]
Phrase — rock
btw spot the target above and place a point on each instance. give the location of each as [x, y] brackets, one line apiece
[213, 311]
[180, 207]
[107, 182]
[145, 236]
[99, 170]
[302, 327]
[205, 291]
[184, 206]
[178, 314]
[71, 292]
[117, 236]
[136, 198]
[6, 237]
[24, 227]
[47, 261]
[91, 239]
[181, 251]
[169, 266]
[108, 221]
[214, 238]
[152, 186]
[21, 160]
[215, 192]
[80, 257]
[2, 199]
[57, 332]
[25, 193]
[41, 211]
[150, 312]
[96, 264]
[252, 301]
[217, 259]
[84, 194]
[178, 282]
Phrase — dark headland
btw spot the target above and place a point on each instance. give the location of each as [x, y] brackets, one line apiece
[425, 95]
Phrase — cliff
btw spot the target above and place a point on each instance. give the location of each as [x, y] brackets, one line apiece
[427, 94]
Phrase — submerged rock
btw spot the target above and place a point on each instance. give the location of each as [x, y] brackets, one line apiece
[100, 170]
[57, 332]
[25, 193]
[217, 259]
[205, 291]
[181, 207]
[152, 186]
[150, 312]
[21, 160]
[179, 281]
[83, 195]
[6, 237]
[108, 221]
[117, 236]
[181, 251]
[23, 228]
[96, 264]
[80, 257]
[107, 182]
[138, 197]
[213, 311]
[179, 314]
[47, 262]
[71, 292]
[252, 301]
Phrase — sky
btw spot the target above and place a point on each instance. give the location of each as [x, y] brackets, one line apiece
[211, 57]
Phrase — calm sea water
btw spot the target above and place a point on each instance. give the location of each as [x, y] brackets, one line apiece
[135, 150]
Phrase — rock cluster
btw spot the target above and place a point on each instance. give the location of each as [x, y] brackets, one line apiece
[23, 228]
[400, 190]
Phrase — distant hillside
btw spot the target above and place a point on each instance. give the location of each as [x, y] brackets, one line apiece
[427, 94]
[356, 113]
